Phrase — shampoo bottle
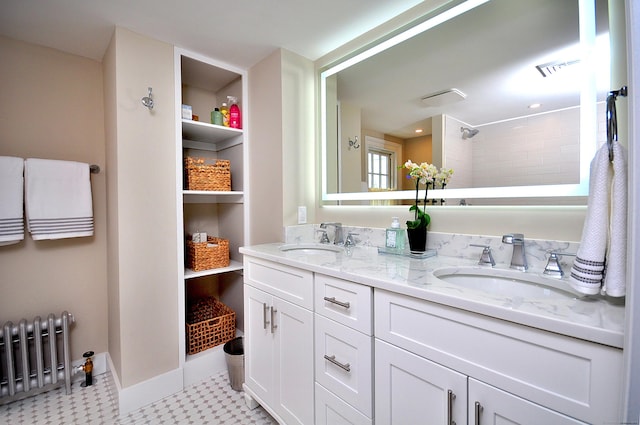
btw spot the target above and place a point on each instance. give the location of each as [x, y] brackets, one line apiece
[224, 110]
[216, 117]
[235, 120]
[394, 237]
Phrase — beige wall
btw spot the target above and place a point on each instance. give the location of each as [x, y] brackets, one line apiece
[265, 152]
[143, 269]
[299, 155]
[51, 107]
[282, 157]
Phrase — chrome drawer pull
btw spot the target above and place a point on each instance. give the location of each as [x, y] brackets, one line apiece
[340, 303]
[333, 360]
[273, 320]
[478, 410]
[450, 397]
[265, 322]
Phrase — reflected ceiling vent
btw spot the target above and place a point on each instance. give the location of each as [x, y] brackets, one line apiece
[444, 97]
[552, 67]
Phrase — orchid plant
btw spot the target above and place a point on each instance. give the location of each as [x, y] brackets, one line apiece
[426, 174]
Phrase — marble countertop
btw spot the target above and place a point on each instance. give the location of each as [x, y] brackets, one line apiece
[593, 318]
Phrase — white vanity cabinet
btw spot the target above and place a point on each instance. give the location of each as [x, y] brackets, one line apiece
[343, 352]
[278, 343]
[512, 372]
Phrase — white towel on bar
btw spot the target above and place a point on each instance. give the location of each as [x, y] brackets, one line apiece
[58, 201]
[615, 276]
[587, 271]
[11, 200]
[600, 263]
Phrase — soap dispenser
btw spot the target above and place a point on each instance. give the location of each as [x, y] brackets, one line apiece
[394, 237]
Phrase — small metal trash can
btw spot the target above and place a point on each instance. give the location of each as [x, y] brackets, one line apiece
[234, 356]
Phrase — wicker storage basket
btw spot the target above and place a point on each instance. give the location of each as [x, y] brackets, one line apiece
[207, 255]
[202, 176]
[209, 323]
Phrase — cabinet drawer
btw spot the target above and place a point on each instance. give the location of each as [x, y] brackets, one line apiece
[330, 410]
[565, 374]
[289, 283]
[343, 363]
[345, 302]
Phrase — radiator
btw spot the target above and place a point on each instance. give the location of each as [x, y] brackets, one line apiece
[34, 357]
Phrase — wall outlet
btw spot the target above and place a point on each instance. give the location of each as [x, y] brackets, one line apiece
[302, 215]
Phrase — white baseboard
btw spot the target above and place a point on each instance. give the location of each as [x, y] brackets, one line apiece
[147, 392]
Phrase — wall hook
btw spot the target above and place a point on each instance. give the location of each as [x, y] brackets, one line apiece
[148, 100]
[354, 144]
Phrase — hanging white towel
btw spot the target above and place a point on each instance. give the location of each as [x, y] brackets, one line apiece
[601, 259]
[58, 201]
[615, 275]
[11, 200]
[587, 271]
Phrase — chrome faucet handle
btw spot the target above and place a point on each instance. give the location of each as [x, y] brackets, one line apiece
[350, 241]
[553, 267]
[486, 258]
[324, 238]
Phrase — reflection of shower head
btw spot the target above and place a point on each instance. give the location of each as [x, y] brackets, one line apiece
[468, 133]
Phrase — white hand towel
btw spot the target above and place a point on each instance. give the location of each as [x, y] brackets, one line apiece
[615, 275]
[11, 200]
[58, 201]
[587, 271]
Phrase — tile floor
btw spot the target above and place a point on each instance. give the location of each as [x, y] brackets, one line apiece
[212, 401]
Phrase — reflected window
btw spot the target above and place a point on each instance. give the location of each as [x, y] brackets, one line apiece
[379, 169]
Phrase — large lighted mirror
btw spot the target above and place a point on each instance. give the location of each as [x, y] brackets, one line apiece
[509, 93]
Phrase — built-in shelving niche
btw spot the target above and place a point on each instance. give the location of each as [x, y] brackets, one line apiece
[204, 84]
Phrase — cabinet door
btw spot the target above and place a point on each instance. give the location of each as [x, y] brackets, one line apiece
[332, 410]
[258, 344]
[293, 362]
[412, 390]
[491, 406]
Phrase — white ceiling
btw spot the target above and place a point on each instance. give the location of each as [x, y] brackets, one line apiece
[240, 33]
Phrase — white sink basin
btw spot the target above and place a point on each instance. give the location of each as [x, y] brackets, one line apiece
[507, 282]
[311, 248]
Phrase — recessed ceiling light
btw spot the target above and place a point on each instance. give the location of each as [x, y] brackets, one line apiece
[418, 130]
[535, 105]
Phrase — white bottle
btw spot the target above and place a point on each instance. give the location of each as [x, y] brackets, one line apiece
[394, 237]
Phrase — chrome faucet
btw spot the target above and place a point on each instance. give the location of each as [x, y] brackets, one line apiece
[338, 238]
[518, 258]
